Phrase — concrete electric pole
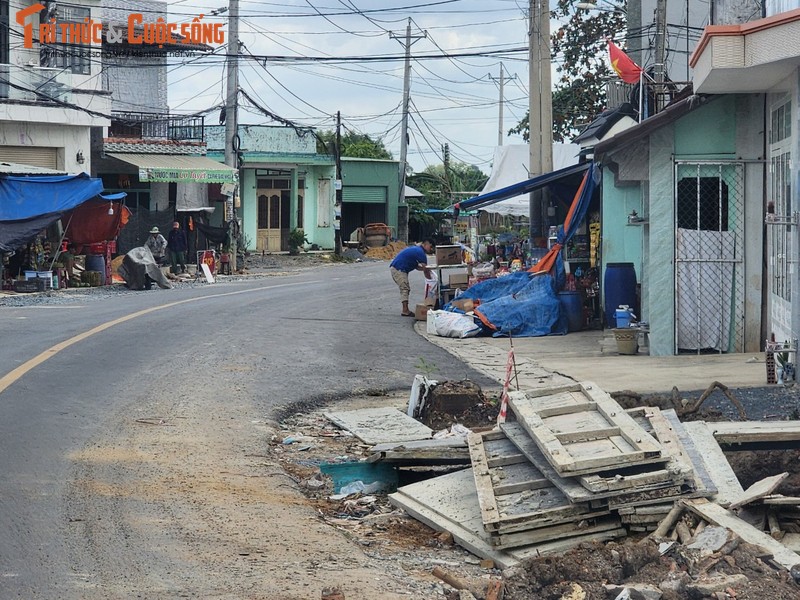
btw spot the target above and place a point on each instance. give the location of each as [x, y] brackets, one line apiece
[407, 43]
[232, 122]
[540, 107]
[501, 80]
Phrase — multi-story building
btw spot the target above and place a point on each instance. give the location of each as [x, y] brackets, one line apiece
[51, 94]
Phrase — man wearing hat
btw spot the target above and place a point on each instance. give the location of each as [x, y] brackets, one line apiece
[157, 245]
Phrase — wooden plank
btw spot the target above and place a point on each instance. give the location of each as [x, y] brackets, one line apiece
[379, 425]
[449, 503]
[519, 497]
[589, 439]
[556, 532]
[778, 499]
[702, 480]
[448, 442]
[610, 409]
[717, 515]
[483, 480]
[758, 490]
[740, 432]
[444, 456]
[791, 541]
[561, 546]
[715, 463]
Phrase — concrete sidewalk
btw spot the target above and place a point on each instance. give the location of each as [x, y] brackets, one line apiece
[592, 356]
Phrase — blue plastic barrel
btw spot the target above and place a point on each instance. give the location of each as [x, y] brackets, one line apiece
[97, 263]
[572, 307]
[619, 288]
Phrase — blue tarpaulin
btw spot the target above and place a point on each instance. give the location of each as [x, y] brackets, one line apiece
[27, 197]
[29, 204]
[518, 304]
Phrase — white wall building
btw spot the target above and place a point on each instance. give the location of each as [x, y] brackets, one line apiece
[50, 95]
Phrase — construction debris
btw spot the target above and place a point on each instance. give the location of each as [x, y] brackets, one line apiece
[572, 469]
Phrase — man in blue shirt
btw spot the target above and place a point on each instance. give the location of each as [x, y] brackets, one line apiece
[413, 258]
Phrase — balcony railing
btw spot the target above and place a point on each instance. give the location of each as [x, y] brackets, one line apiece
[654, 99]
[35, 84]
[138, 125]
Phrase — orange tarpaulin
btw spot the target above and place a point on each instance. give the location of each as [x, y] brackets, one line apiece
[548, 261]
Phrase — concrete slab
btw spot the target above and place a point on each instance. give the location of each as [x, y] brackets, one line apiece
[587, 356]
[380, 425]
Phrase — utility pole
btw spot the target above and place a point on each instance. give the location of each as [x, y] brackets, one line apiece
[540, 107]
[661, 50]
[409, 41]
[501, 80]
[232, 122]
[339, 192]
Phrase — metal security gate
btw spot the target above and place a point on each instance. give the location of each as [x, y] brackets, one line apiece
[709, 257]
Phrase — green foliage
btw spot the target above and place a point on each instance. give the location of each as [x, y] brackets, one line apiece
[354, 145]
[297, 238]
[425, 368]
[439, 187]
[580, 48]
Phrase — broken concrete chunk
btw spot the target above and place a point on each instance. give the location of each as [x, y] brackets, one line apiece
[719, 583]
[634, 591]
[710, 540]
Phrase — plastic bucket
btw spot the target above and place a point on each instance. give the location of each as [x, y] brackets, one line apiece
[619, 288]
[623, 317]
[97, 263]
[572, 307]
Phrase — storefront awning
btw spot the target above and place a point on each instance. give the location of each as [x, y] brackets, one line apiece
[178, 168]
[523, 187]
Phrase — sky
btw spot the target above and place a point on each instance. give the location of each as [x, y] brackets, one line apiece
[454, 100]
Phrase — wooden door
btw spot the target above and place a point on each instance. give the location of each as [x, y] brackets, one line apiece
[270, 231]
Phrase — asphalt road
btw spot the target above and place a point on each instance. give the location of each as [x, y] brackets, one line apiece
[266, 344]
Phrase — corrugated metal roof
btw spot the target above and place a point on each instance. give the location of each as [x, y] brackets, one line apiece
[170, 161]
[18, 169]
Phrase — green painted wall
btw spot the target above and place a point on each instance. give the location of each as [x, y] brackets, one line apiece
[369, 172]
[621, 242]
[708, 132]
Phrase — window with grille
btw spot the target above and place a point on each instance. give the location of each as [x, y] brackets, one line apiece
[780, 179]
[72, 56]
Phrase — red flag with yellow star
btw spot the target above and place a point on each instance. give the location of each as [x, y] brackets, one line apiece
[627, 70]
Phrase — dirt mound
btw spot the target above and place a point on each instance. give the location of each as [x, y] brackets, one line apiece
[460, 402]
[386, 252]
[583, 571]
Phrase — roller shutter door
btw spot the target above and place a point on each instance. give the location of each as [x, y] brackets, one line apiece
[35, 156]
[364, 193]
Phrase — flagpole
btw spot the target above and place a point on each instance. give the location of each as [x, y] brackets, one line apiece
[641, 93]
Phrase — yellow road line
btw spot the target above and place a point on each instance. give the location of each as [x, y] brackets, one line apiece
[14, 375]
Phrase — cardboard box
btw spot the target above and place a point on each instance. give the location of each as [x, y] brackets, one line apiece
[448, 255]
[458, 280]
[421, 312]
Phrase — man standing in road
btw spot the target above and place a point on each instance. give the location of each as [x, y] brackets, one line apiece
[177, 246]
[413, 258]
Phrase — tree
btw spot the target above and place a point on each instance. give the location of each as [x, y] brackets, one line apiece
[355, 145]
[438, 186]
[580, 46]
